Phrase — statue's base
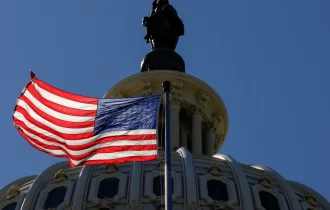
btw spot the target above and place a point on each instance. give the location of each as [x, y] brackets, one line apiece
[163, 59]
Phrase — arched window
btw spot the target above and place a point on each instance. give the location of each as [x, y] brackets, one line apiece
[159, 185]
[217, 190]
[108, 188]
[268, 201]
[55, 197]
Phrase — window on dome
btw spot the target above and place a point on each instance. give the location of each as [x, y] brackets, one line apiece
[268, 201]
[11, 206]
[217, 190]
[159, 185]
[55, 197]
[108, 188]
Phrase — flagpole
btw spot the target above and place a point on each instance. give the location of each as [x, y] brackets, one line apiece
[168, 178]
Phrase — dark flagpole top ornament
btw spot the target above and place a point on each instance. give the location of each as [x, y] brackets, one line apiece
[163, 29]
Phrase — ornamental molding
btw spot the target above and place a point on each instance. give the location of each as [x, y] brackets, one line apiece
[219, 205]
[112, 172]
[196, 110]
[149, 184]
[217, 119]
[214, 173]
[210, 127]
[175, 95]
[176, 88]
[146, 88]
[309, 202]
[214, 170]
[13, 191]
[264, 185]
[60, 176]
[201, 99]
[67, 198]
[160, 202]
[106, 203]
[134, 206]
[265, 181]
[193, 207]
[110, 168]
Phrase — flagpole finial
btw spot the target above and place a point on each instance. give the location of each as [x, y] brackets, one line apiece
[166, 86]
[32, 74]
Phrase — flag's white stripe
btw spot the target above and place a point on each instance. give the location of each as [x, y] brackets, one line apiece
[86, 140]
[95, 147]
[55, 114]
[102, 156]
[63, 101]
[43, 121]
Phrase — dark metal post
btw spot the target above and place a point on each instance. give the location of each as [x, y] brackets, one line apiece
[168, 178]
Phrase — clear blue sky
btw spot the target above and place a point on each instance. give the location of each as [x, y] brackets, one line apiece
[269, 61]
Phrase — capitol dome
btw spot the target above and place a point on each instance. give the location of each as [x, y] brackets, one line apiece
[202, 179]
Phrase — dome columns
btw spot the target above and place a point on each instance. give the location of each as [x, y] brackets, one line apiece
[196, 136]
[192, 104]
[208, 146]
[175, 105]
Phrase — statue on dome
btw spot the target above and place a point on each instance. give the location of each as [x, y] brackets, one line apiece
[163, 25]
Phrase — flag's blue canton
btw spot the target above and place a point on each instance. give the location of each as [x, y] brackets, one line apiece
[126, 114]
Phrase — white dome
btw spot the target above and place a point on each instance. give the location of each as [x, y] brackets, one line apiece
[199, 182]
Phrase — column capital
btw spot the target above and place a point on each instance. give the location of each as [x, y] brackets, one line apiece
[175, 96]
[176, 102]
[196, 110]
[210, 127]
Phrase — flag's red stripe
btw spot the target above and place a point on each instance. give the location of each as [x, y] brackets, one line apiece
[52, 119]
[50, 130]
[88, 145]
[64, 94]
[97, 151]
[112, 161]
[59, 108]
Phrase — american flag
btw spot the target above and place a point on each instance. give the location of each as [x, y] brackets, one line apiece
[87, 130]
